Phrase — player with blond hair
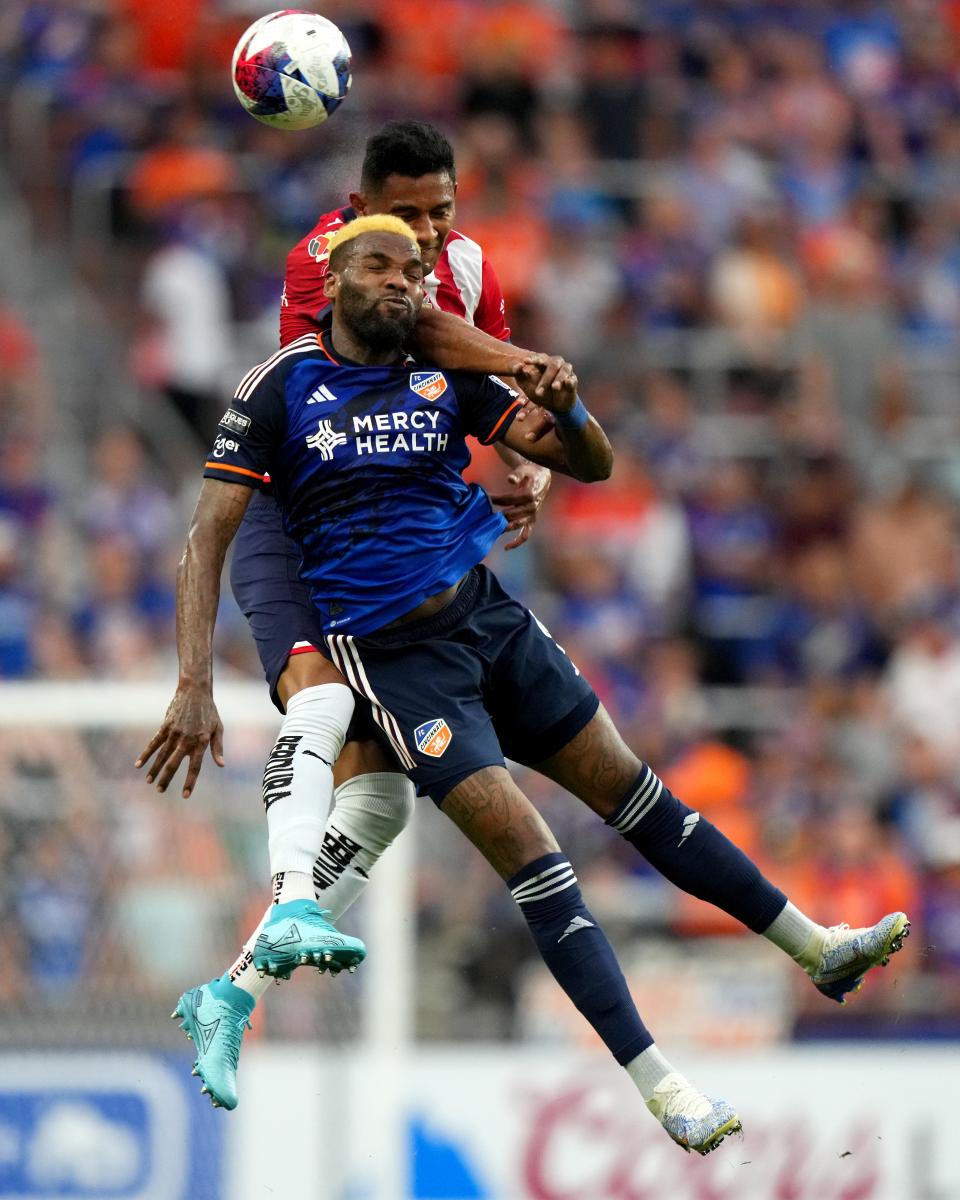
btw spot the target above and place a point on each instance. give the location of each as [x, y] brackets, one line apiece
[459, 675]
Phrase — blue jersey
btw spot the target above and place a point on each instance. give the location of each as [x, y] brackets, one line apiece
[367, 466]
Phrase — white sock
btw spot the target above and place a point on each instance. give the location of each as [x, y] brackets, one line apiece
[369, 812]
[647, 1070]
[297, 787]
[292, 885]
[243, 973]
[298, 778]
[798, 936]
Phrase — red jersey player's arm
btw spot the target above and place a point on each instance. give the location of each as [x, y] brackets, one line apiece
[449, 342]
[192, 722]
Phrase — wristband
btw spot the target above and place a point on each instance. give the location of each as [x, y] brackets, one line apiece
[575, 419]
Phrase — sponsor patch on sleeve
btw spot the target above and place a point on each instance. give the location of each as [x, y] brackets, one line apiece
[433, 737]
[222, 445]
[238, 422]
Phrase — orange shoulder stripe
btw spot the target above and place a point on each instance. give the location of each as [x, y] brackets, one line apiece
[236, 470]
[512, 409]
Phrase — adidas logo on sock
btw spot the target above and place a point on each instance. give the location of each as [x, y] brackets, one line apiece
[689, 825]
[575, 924]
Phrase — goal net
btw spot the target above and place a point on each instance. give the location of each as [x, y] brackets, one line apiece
[115, 900]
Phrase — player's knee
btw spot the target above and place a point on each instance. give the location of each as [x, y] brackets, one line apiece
[597, 765]
[374, 809]
[319, 717]
[650, 814]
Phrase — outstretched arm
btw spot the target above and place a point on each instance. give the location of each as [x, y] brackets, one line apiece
[450, 342]
[192, 722]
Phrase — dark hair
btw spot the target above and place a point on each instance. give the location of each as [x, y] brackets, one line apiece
[410, 148]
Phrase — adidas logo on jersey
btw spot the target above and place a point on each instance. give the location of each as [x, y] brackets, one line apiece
[322, 395]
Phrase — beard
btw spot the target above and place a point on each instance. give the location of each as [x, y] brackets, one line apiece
[371, 326]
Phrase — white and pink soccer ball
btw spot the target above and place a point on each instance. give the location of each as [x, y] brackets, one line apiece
[291, 69]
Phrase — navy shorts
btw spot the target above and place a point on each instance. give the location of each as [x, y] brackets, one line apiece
[266, 584]
[479, 682]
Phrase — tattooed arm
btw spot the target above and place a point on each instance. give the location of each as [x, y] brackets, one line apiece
[192, 722]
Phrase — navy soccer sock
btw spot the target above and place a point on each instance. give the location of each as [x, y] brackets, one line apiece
[578, 954]
[693, 854]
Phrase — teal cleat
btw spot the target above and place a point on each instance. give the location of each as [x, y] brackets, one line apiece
[694, 1121]
[848, 954]
[297, 934]
[215, 1017]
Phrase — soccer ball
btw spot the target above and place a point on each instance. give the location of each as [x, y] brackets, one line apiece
[291, 69]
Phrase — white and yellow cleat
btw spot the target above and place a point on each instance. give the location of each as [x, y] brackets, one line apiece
[848, 954]
[694, 1121]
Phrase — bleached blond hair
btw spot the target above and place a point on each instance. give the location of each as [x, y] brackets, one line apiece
[381, 223]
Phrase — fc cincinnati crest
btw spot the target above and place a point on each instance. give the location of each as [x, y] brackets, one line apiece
[433, 737]
[429, 384]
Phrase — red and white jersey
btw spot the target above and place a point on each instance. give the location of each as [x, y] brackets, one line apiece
[463, 282]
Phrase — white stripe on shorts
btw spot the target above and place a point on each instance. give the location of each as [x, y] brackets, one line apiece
[347, 658]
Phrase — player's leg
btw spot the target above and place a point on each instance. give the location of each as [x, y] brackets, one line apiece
[297, 789]
[442, 733]
[317, 707]
[505, 827]
[373, 801]
[692, 853]
[298, 784]
[552, 720]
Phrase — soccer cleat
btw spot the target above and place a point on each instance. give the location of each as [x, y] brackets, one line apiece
[693, 1120]
[215, 1017]
[848, 954]
[299, 933]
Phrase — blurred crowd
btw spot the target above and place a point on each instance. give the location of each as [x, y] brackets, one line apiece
[742, 222]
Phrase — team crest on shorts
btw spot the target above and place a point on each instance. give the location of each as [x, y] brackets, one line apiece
[433, 737]
[429, 384]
